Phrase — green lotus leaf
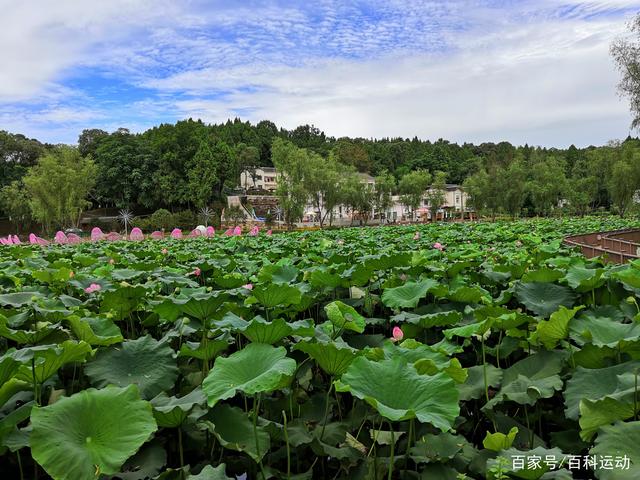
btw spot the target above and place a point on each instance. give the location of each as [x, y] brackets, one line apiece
[230, 280]
[90, 433]
[234, 430]
[344, 316]
[274, 295]
[602, 412]
[542, 275]
[409, 294]
[619, 441]
[534, 377]
[19, 299]
[211, 473]
[427, 360]
[122, 301]
[593, 384]
[47, 359]
[584, 279]
[332, 357]
[517, 463]
[147, 463]
[200, 304]
[278, 273]
[256, 368]
[321, 277]
[550, 332]
[473, 387]
[602, 331]
[12, 386]
[125, 274]
[399, 392]
[8, 365]
[629, 276]
[259, 330]
[145, 362]
[95, 330]
[206, 351]
[467, 294]
[437, 448]
[42, 331]
[499, 441]
[172, 411]
[544, 298]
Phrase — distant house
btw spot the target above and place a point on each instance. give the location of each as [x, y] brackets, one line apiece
[455, 201]
[262, 178]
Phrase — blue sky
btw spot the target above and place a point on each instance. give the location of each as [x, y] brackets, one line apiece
[527, 71]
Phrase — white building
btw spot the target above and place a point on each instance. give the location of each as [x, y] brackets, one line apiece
[262, 178]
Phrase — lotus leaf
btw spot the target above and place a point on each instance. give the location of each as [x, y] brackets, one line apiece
[92, 432]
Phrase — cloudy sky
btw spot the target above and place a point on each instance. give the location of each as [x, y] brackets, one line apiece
[526, 71]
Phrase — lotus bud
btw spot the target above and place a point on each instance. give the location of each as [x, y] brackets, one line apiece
[398, 334]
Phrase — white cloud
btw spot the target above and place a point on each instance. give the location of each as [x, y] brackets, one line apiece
[533, 71]
[538, 84]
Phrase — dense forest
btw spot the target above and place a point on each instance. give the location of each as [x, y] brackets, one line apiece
[189, 164]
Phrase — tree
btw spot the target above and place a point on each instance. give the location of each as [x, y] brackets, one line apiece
[89, 140]
[211, 169]
[358, 196]
[412, 187]
[321, 180]
[14, 200]
[290, 161]
[354, 154]
[437, 193]
[58, 187]
[626, 54]
[511, 181]
[248, 160]
[547, 184]
[623, 181]
[385, 186]
[483, 192]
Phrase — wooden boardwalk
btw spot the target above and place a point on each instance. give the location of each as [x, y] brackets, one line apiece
[618, 246]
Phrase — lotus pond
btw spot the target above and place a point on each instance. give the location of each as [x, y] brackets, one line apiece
[356, 353]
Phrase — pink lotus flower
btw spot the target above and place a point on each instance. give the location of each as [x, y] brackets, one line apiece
[269, 233]
[196, 272]
[210, 231]
[60, 238]
[16, 240]
[113, 236]
[157, 235]
[164, 251]
[6, 241]
[136, 234]
[229, 232]
[416, 236]
[254, 231]
[73, 238]
[35, 240]
[438, 246]
[248, 286]
[94, 287]
[237, 231]
[397, 334]
[195, 233]
[176, 233]
[96, 234]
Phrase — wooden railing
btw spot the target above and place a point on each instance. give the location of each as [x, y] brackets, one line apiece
[617, 246]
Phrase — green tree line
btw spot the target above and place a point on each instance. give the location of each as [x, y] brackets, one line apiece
[190, 164]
